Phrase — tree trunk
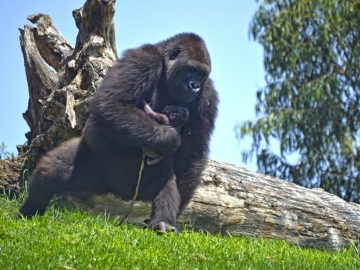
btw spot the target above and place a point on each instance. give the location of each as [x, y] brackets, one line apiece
[10, 171]
[229, 199]
[62, 78]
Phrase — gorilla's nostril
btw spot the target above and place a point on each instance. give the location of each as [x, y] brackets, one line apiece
[194, 85]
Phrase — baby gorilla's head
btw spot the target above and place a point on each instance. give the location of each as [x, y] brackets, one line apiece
[177, 115]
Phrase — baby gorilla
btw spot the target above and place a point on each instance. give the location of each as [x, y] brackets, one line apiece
[174, 116]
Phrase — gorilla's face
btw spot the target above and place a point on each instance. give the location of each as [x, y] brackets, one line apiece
[187, 65]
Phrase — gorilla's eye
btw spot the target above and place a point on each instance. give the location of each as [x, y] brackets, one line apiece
[174, 54]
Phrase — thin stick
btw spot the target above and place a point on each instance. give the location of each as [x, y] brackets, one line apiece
[142, 165]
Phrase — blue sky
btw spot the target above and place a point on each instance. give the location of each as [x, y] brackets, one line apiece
[237, 61]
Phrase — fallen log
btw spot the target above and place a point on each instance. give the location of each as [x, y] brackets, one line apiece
[236, 201]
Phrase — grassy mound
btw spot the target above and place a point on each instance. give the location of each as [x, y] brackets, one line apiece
[64, 239]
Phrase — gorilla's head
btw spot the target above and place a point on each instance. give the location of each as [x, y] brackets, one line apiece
[187, 66]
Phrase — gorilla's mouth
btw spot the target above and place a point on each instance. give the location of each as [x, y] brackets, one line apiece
[187, 91]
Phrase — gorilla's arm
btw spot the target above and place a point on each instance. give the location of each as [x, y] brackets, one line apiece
[115, 107]
[132, 127]
[191, 157]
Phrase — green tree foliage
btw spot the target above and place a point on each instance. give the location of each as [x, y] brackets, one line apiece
[311, 102]
[3, 153]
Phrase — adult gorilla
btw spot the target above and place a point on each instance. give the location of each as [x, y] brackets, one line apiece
[107, 157]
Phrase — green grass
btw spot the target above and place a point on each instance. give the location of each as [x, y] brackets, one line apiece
[64, 239]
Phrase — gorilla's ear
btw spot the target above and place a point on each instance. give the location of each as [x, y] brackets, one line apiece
[144, 65]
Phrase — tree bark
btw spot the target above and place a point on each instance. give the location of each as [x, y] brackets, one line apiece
[62, 78]
[236, 201]
[10, 171]
[229, 199]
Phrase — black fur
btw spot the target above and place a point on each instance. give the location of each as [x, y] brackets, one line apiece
[178, 115]
[108, 155]
[172, 115]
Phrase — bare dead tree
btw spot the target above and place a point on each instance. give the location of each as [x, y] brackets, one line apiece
[62, 78]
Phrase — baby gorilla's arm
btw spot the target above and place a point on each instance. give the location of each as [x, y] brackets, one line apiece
[173, 115]
[158, 117]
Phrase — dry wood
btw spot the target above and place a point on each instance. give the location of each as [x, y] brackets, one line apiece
[57, 104]
[229, 199]
[52, 46]
[10, 170]
[236, 201]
